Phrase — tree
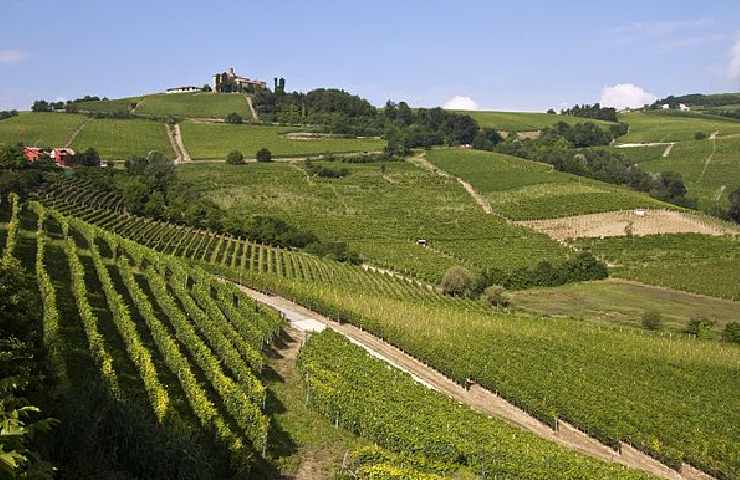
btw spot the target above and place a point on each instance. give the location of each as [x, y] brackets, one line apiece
[652, 320]
[496, 296]
[11, 156]
[41, 106]
[732, 332]
[235, 157]
[456, 281]
[88, 158]
[700, 135]
[699, 326]
[264, 155]
[206, 88]
[233, 118]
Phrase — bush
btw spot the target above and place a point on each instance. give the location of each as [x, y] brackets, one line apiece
[700, 326]
[264, 155]
[700, 135]
[732, 332]
[456, 281]
[235, 157]
[496, 296]
[233, 117]
[652, 320]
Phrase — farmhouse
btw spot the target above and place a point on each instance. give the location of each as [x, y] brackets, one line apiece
[61, 156]
[183, 89]
[229, 81]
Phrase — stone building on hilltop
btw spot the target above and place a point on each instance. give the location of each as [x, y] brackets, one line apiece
[229, 81]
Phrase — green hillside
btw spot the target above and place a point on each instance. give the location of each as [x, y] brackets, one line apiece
[40, 129]
[525, 190]
[673, 127]
[523, 121]
[215, 140]
[119, 105]
[117, 140]
[197, 105]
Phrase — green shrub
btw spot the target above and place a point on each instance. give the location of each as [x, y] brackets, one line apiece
[496, 296]
[700, 136]
[732, 332]
[235, 157]
[456, 281]
[233, 117]
[700, 326]
[652, 320]
[264, 155]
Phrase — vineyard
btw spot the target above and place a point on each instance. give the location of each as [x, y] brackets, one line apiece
[117, 140]
[694, 263]
[380, 211]
[525, 190]
[118, 105]
[522, 121]
[194, 105]
[42, 129]
[674, 127]
[432, 433]
[146, 320]
[214, 140]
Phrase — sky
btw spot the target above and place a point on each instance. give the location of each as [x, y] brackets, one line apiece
[487, 55]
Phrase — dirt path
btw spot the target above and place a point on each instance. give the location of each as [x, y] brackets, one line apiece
[185, 156]
[475, 397]
[173, 143]
[75, 133]
[421, 161]
[713, 138]
[667, 150]
[255, 118]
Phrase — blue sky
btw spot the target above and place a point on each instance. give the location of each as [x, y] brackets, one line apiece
[501, 55]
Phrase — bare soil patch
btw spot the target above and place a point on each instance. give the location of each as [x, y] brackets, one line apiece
[617, 224]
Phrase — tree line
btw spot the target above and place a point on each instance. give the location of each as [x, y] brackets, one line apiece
[595, 111]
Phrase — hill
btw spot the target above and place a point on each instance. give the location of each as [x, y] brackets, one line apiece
[657, 126]
[523, 121]
[188, 105]
[40, 129]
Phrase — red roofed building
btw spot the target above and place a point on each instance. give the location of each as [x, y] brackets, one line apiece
[61, 156]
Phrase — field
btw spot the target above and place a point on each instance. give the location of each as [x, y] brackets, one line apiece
[40, 129]
[117, 140]
[694, 263]
[523, 121]
[118, 105]
[196, 105]
[622, 303]
[378, 213]
[524, 190]
[214, 141]
[674, 127]
[550, 367]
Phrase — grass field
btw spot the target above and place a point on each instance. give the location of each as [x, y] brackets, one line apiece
[710, 169]
[215, 140]
[525, 190]
[661, 127]
[522, 121]
[694, 263]
[39, 129]
[618, 302]
[197, 105]
[118, 105]
[117, 140]
[380, 214]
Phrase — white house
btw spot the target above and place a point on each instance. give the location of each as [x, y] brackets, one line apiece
[183, 89]
[666, 106]
[683, 107]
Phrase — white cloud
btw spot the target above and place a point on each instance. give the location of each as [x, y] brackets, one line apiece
[12, 56]
[460, 103]
[734, 66]
[624, 95]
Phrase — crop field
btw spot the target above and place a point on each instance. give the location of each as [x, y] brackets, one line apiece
[379, 213]
[39, 129]
[524, 190]
[622, 303]
[426, 428]
[117, 140]
[536, 363]
[197, 105]
[694, 263]
[118, 105]
[214, 141]
[612, 384]
[660, 127]
[523, 121]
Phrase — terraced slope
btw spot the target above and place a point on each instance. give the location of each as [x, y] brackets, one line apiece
[40, 129]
